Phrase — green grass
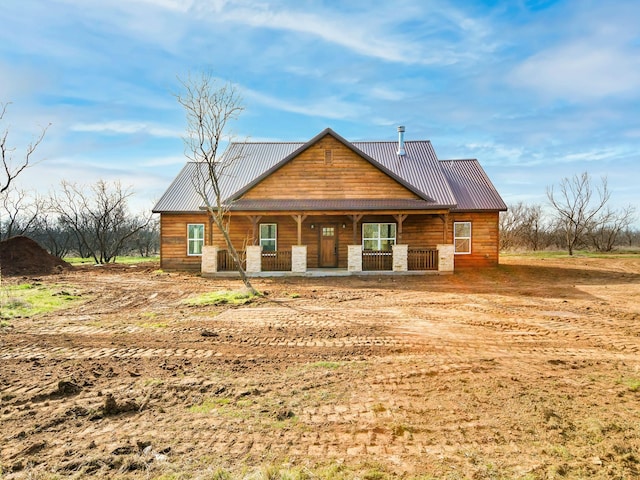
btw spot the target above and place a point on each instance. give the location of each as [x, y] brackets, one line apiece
[632, 383]
[29, 299]
[576, 254]
[326, 365]
[210, 405]
[220, 298]
[125, 260]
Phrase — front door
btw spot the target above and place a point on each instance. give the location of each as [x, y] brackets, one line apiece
[328, 246]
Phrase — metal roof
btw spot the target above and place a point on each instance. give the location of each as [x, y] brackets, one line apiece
[471, 186]
[439, 184]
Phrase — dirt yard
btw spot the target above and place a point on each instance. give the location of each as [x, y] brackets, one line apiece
[530, 370]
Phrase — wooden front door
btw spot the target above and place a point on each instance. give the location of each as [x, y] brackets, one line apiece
[328, 246]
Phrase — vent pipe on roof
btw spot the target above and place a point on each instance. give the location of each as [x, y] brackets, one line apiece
[401, 151]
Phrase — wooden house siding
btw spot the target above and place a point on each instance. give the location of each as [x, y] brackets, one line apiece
[484, 239]
[345, 175]
[173, 241]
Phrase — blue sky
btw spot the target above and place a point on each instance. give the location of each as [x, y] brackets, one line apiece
[537, 90]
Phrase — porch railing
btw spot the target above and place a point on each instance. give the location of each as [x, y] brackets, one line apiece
[278, 261]
[225, 261]
[376, 260]
[422, 259]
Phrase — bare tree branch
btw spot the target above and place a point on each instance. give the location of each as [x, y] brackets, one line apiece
[209, 109]
[6, 152]
[576, 207]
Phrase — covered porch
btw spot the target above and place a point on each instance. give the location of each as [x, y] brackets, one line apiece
[335, 243]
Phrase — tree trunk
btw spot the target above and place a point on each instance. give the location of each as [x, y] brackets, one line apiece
[234, 254]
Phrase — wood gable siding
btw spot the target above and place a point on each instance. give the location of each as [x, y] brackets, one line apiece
[329, 170]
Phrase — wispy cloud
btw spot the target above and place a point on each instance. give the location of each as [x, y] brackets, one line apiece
[595, 53]
[330, 107]
[127, 128]
[581, 70]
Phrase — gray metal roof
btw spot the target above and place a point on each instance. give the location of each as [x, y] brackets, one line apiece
[436, 182]
[471, 186]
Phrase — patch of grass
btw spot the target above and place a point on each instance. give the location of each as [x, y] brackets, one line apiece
[133, 260]
[632, 383]
[154, 325]
[221, 297]
[576, 254]
[326, 365]
[209, 405]
[152, 382]
[29, 299]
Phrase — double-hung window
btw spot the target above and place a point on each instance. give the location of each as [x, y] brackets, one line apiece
[378, 236]
[462, 237]
[269, 237]
[195, 238]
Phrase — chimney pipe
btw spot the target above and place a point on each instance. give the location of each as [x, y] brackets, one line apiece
[401, 151]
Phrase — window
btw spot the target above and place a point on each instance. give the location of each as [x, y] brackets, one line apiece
[195, 238]
[378, 236]
[268, 237]
[462, 237]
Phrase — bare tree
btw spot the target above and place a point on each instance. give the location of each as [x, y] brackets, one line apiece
[53, 235]
[522, 226]
[209, 109]
[11, 171]
[20, 212]
[99, 218]
[608, 227]
[577, 204]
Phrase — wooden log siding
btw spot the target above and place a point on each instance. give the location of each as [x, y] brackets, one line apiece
[484, 239]
[173, 241]
[348, 176]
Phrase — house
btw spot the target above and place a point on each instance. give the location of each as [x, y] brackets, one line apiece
[333, 204]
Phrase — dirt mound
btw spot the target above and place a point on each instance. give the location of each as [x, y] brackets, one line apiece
[23, 256]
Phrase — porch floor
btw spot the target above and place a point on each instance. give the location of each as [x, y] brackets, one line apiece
[327, 272]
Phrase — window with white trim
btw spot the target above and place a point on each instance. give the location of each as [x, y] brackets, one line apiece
[195, 238]
[462, 237]
[378, 236]
[269, 237]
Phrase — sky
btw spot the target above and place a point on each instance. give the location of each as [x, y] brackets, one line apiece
[536, 90]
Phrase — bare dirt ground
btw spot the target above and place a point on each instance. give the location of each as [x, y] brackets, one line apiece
[530, 370]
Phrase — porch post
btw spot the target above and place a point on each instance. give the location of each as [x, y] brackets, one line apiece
[254, 219]
[209, 259]
[299, 219]
[400, 258]
[400, 218]
[445, 223]
[298, 258]
[445, 258]
[254, 259]
[354, 262]
[355, 219]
